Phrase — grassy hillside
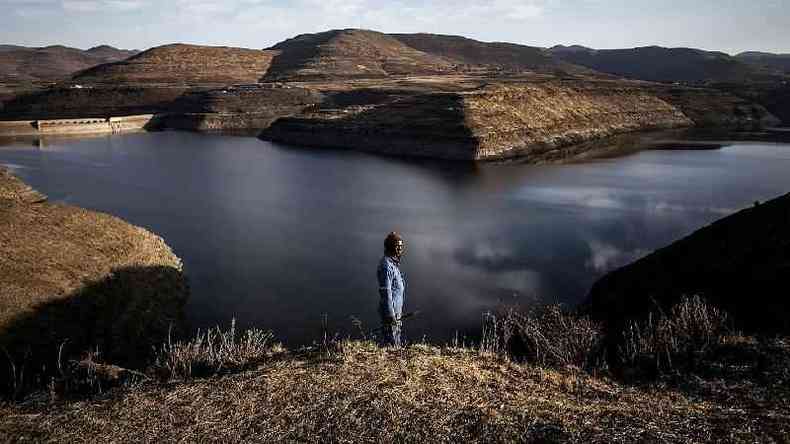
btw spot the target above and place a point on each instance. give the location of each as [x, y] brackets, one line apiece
[358, 392]
[739, 263]
[74, 279]
[350, 53]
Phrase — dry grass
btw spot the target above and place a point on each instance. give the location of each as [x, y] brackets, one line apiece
[80, 277]
[674, 341]
[50, 251]
[417, 394]
[547, 336]
[214, 351]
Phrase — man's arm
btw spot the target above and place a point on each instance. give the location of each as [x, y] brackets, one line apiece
[385, 275]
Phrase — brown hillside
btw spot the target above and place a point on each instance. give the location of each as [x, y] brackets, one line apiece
[18, 63]
[180, 63]
[351, 53]
[533, 120]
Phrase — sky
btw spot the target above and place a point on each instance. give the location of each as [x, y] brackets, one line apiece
[731, 26]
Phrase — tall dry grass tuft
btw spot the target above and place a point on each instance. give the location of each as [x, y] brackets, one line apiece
[548, 336]
[674, 341]
[214, 351]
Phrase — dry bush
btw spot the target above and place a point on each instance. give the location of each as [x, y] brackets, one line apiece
[666, 343]
[213, 351]
[548, 336]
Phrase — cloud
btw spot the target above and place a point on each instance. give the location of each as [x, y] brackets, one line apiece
[106, 6]
[605, 257]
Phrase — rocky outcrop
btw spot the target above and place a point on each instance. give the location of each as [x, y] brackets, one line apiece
[534, 121]
[73, 279]
[185, 65]
[740, 264]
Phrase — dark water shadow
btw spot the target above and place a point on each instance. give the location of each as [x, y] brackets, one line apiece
[123, 316]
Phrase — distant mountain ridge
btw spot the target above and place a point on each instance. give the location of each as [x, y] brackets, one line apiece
[656, 63]
[779, 62]
[507, 56]
[359, 53]
[53, 63]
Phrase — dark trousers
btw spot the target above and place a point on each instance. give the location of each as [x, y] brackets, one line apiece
[390, 333]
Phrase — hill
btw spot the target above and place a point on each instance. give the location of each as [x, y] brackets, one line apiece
[79, 277]
[739, 264]
[52, 63]
[183, 64]
[498, 120]
[655, 63]
[350, 53]
[779, 62]
[497, 55]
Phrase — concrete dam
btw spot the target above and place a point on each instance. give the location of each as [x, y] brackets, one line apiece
[95, 125]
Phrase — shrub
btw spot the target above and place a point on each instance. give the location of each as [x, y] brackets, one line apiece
[548, 336]
[666, 343]
[212, 352]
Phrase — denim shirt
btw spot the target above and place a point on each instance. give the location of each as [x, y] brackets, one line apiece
[392, 288]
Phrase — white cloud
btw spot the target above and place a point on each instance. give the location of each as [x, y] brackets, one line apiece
[107, 6]
[605, 257]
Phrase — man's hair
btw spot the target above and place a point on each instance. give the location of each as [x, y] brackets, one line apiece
[391, 242]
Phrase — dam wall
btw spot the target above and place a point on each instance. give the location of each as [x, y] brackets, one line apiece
[94, 125]
[18, 128]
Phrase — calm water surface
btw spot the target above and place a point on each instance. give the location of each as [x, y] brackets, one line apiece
[278, 237]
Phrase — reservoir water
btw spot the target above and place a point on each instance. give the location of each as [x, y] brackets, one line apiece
[281, 238]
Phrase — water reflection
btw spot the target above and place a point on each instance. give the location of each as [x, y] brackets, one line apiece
[279, 236]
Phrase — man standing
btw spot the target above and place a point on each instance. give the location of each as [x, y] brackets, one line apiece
[392, 289]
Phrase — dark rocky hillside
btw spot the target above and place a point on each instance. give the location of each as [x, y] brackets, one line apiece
[52, 63]
[184, 64]
[658, 64]
[495, 55]
[779, 62]
[740, 264]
